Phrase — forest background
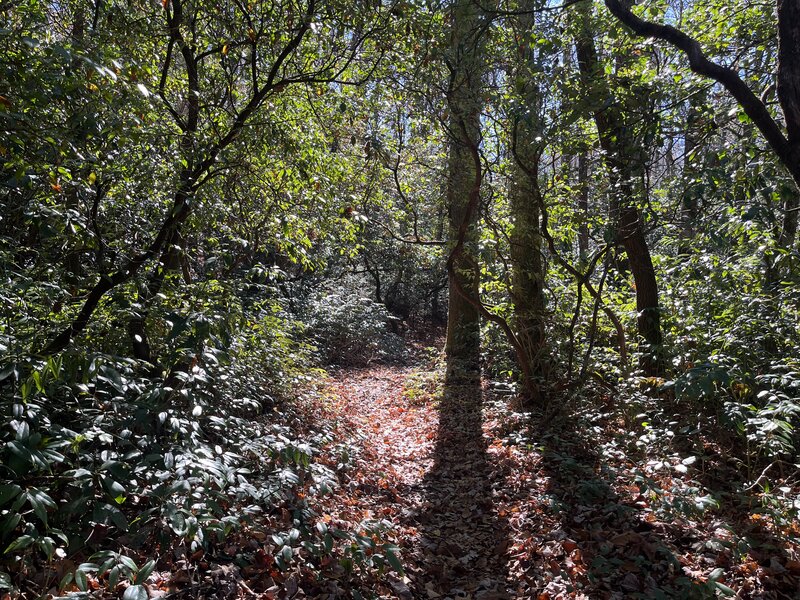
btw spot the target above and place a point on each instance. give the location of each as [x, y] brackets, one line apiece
[205, 204]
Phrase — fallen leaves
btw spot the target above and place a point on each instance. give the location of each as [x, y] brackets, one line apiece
[473, 501]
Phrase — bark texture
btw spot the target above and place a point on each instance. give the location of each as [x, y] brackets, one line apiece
[622, 155]
[463, 187]
[525, 199]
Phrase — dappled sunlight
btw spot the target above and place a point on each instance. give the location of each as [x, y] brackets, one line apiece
[399, 300]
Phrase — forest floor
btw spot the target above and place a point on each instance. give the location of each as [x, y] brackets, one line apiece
[457, 495]
[485, 504]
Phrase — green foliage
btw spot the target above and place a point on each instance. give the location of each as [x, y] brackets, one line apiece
[232, 196]
[178, 431]
[91, 446]
[732, 330]
[425, 386]
[352, 330]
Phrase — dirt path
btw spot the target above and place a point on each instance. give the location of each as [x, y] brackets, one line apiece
[428, 468]
[485, 505]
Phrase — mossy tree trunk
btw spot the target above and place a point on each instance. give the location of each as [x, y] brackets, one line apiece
[525, 202]
[465, 103]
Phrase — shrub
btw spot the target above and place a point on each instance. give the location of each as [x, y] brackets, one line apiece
[95, 448]
[350, 330]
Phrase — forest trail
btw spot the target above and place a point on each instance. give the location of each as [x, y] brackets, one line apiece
[428, 469]
[485, 505]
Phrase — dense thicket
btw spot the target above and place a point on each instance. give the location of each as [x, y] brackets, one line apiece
[205, 202]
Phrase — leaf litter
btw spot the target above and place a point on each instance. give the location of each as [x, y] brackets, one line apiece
[489, 503]
[458, 496]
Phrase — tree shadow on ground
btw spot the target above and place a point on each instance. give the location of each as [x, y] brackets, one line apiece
[610, 546]
[604, 547]
[748, 531]
[463, 541]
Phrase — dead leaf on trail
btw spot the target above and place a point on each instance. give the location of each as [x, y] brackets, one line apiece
[476, 516]
[630, 583]
[793, 566]
[431, 591]
[624, 539]
[400, 588]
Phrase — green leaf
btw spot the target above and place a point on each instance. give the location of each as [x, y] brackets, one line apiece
[9, 491]
[128, 562]
[7, 371]
[81, 581]
[145, 572]
[114, 489]
[77, 474]
[394, 560]
[724, 589]
[135, 592]
[43, 498]
[118, 518]
[10, 523]
[60, 535]
[20, 450]
[106, 566]
[113, 577]
[48, 547]
[65, 581]
[112, 376]
[21, 542]
[40, 501]
[182, 486]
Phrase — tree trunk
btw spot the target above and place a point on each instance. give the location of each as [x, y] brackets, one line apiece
[648, 314]
[788, 88]
[525, 200]
[528, 277]
[463, 188]
[623, 161]
[791, 205]
[690, 199]
[583, 206]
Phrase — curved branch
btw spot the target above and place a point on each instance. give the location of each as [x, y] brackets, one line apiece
[699, 63]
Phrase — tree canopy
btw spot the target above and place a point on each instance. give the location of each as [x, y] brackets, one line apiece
[216, 214]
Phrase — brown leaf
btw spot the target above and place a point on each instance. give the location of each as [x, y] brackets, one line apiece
[400, 588]
[793, 566]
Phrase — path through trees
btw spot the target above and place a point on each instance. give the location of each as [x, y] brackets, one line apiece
[486, 505]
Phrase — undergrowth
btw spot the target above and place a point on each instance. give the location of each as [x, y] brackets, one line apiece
[111, 475]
